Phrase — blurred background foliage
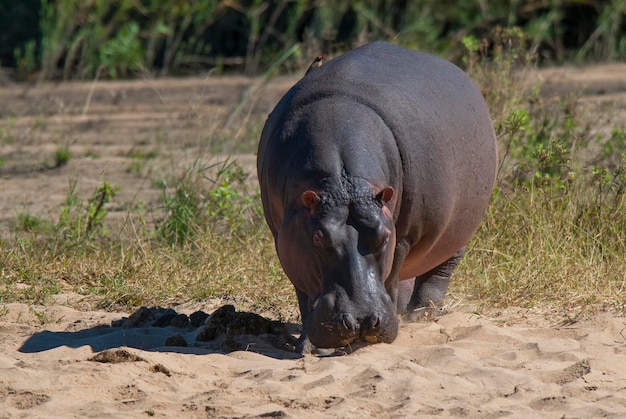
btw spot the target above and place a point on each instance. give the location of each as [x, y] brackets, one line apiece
[84, 39]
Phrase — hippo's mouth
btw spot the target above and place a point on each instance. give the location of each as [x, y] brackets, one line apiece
[344, 330]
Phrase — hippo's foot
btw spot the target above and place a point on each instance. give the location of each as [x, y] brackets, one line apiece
[305, 347]
[429, 290]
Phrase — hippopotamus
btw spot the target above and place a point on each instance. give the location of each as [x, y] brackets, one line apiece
[375, 170]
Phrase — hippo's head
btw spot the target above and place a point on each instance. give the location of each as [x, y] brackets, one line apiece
[345, 245]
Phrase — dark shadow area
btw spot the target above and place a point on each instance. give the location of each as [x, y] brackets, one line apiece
[164, 330]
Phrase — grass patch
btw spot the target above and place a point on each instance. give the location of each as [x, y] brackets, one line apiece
[32, 223]
[206, 198]
[207, 240]
[554, 236]
[557, 251]
[139, 269]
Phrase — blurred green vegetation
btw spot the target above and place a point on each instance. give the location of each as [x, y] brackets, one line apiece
[79, 39]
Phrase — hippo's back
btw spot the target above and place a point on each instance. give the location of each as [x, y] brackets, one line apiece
[399, 83]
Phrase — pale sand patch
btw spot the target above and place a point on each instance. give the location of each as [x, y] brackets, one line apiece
[460, 365]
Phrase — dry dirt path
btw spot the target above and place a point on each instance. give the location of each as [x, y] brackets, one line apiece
[128, 133]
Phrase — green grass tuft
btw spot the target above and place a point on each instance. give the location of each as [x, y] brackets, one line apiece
[62, 156]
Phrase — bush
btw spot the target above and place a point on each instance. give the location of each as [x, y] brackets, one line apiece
[121, 38]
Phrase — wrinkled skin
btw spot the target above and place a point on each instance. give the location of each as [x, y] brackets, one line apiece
[375, 168]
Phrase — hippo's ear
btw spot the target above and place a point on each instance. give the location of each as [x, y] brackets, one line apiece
[310, 199]
[385, 195]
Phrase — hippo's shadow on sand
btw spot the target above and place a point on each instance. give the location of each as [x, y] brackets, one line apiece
[164, 330]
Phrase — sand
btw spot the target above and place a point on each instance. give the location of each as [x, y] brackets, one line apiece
[462, 365]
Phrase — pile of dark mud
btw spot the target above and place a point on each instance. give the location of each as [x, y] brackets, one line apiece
[225, 329]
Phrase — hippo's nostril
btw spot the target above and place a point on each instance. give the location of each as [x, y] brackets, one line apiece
[348, 321]
[371, 324]
[375, 321]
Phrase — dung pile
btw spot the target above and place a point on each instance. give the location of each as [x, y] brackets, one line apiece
[226, 329]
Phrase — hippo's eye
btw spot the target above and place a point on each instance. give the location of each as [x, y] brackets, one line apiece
[372, 240]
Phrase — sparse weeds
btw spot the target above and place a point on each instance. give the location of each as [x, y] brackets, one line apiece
[207, 242]
[143, 155]
[139, 157]
[228, 199]
[62, 156]
[43, 317]
[181, 210]
[78, 220]
[206, 196]
[32, 223]
[219, 249]
[38, 290]
[555, 233]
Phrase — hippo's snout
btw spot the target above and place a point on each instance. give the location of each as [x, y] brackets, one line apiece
[335, 323]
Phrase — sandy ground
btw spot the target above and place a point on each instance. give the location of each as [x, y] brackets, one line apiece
[460, 366]
[517, 363]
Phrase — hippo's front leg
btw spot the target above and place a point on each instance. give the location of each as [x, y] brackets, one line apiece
[303, 344]
[397, 289]
[429, 289]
